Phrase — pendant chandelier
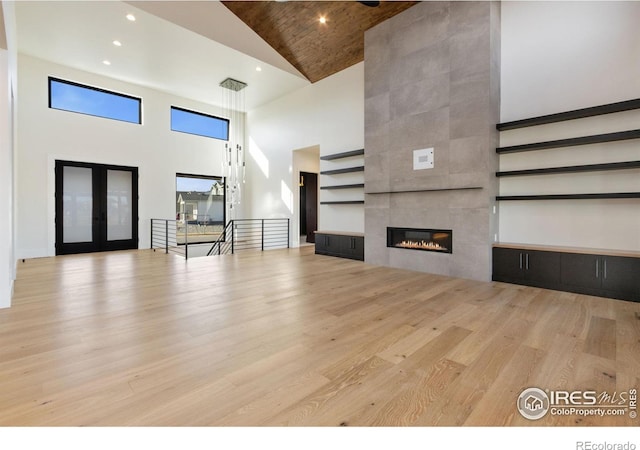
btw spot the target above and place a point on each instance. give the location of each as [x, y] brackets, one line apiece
[233, 165]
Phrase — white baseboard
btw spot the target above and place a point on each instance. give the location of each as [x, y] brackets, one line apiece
[32, 253]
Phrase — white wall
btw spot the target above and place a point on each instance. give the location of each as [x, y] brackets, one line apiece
[8, 71]
[559, 56]
[48, 134]
[7, 260]
[328, 114]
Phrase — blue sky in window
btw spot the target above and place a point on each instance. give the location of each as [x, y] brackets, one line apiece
[187, 184]
[79, 99]
[188, 122]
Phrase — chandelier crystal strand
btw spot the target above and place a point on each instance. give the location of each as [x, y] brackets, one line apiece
[234, 106]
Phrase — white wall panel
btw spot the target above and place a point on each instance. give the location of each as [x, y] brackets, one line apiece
[560, 56]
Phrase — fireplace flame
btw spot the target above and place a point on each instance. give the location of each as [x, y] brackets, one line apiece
[422, 245]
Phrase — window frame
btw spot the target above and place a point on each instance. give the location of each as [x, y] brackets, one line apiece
[97, 89]
[224, 196]
[197, 113]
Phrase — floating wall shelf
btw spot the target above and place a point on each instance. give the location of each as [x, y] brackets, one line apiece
[569, 196]
[570, 115]
[343, 155]
[571, 142]
[572, 169]
[339, 171]
[426, 190]
[344, 202]
[582, 140]
[344, 186]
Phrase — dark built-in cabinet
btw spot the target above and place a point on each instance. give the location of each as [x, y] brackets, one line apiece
[584, 273]
[533, 267]
[341, 245]
[612, 276]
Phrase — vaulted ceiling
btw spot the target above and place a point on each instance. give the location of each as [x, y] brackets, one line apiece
[317, 49]
[187, 48]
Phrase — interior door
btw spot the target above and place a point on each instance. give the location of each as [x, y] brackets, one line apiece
[311, 204]
[96, 207]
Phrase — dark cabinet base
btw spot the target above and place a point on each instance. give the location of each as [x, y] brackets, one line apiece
[591, 274]
[342, 246]
[531, 267]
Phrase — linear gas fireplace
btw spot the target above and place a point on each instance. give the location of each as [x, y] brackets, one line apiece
[420, 239]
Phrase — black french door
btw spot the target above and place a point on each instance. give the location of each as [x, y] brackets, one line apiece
[96, 207]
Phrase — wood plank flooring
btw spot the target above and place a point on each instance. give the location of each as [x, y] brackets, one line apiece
[287, 337]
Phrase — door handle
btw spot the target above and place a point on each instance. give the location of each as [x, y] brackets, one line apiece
[605, 269]
[597, 271]
[521, 260]
[527, 261]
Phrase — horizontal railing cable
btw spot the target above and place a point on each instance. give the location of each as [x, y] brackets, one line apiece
[167, 235]
[252, 234]
[172, 236]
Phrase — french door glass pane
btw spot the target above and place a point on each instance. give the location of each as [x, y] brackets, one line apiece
[77, 205]
[119, 193]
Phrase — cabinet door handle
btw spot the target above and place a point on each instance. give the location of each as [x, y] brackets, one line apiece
[527, 261]
[521, 260]
[597, 271]
[605, 269]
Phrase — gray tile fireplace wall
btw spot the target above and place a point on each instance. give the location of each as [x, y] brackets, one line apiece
[432, 80]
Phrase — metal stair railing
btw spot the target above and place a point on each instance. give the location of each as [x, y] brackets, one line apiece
[224, 242]
[252, 234]
[167, 235]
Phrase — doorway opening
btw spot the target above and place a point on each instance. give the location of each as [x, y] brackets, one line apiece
[96, 207]
[305, 169]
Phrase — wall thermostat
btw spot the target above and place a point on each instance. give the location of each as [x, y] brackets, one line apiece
[423, 159]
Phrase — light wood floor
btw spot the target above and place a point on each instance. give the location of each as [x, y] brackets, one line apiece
[286, 337]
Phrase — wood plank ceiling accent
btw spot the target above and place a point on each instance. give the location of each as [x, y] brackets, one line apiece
[317, 50]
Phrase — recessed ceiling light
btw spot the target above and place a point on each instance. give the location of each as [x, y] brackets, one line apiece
[131, 17]
[117, 43]
[106, 63]
[322, 19]
[258, 69]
